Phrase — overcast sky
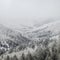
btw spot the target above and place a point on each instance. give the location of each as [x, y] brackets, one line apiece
[16, 12]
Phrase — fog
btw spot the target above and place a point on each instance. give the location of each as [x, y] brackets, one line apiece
[27, 12]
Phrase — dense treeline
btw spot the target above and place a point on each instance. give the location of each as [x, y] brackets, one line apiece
[50, 52]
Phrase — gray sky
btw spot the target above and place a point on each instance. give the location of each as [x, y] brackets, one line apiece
[16, 12]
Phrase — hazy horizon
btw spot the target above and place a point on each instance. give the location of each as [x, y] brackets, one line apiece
[16, 12]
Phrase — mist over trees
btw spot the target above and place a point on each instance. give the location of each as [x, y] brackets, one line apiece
[49, 52]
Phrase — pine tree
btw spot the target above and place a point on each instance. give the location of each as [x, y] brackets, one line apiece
[15, 58]
[22, 57]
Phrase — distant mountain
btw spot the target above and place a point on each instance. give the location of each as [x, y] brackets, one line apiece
[46, 30]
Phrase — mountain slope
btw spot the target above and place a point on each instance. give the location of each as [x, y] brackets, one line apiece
[10, 38]
[44, 31]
